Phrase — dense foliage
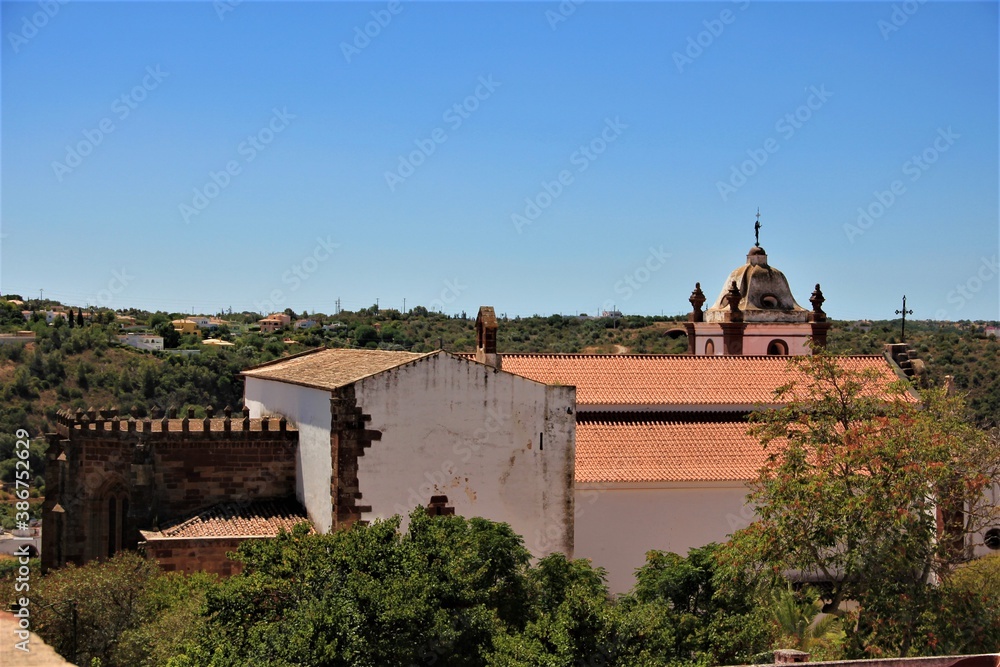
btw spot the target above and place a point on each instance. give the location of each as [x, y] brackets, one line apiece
[122, 612]
[444, 591]
[455, 591]
[860, 476]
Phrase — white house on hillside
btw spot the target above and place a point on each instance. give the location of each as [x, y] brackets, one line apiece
[142, 341]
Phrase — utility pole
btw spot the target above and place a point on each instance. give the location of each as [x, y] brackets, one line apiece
[404, 304]
[904, 313]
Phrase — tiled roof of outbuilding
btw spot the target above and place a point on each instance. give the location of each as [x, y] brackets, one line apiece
[332, 368]
[258, 518]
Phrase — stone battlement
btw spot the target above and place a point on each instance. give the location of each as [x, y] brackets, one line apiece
[112, 423]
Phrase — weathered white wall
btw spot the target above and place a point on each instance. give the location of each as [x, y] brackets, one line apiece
[617, 524]
[309, 410]
[458, 428]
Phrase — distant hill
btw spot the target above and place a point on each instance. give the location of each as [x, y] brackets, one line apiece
[82, 367]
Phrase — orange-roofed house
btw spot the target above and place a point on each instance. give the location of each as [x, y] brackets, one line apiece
[274, 322]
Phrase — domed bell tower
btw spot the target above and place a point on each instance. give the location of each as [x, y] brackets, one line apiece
[755, 313]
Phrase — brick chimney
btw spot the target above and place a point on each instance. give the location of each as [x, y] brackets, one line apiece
[486, 337]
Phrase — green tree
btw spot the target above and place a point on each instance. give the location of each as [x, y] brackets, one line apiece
[369, 596]
[800, 620]
[171, 337]
[128, 612]
[571, 621]
[716, 616]
[857, 474]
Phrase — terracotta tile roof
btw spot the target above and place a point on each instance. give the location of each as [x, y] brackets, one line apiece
[332, 368]
[258, 518]
[666, 452]
[672, 380]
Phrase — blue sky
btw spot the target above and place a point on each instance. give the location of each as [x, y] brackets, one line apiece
[541, 157]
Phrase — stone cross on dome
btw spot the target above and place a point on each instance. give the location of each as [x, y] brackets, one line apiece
[756, 229]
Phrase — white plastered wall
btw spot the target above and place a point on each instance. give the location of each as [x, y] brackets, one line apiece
[458, 428]
[308, 409]
[617, 524]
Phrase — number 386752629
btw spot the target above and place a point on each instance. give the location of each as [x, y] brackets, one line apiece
[22, 474]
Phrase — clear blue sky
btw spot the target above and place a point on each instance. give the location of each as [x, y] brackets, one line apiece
[350, 164]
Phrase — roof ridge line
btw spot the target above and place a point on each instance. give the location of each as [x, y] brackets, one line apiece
[283, 359]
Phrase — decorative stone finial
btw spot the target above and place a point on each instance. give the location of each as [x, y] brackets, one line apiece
[817, 300]
[733, 297]
[697, 300]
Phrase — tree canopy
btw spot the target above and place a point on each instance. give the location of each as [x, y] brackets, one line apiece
[867, 490]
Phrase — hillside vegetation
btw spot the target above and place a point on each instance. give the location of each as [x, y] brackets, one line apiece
[80, 367]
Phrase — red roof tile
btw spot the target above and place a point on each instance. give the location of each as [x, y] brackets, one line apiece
[666, 452]
[672, 380]
[258, 518]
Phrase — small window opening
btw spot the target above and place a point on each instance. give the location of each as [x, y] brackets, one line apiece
[992, 538]
[777, 348]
